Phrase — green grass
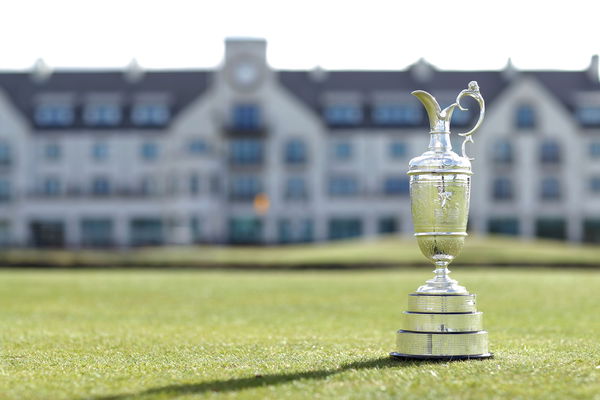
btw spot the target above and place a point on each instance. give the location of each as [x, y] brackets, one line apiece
[188, 334]
[386, 251]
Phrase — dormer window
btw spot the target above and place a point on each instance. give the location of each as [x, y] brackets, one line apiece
[102, 114]
[525, 117]
[396, 114]
[54, 115]
[343, 114]
[589, 115]
[150, 114]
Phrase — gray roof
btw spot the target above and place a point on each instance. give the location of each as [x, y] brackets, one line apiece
[181, 87]
[562, 84]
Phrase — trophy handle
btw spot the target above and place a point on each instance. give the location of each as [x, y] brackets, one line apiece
[472, 91]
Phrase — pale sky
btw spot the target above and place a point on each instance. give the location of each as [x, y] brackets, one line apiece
[374, 34]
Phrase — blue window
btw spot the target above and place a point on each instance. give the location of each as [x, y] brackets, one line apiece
[100, 151]
[246, 230]
[4, 190]
[342, 151]
[503, 226]
[550, 189]
[589, 116]
[245, 188]
[51, 186]
[5, 156]
[100, 186]
[550, 152]
[284, 228]
[52, 152]
[54, 115]
[96, 232]
[595, 149]
[398, 150]
[246, 117]
[344, 228]
[387, 225]
[595, 184]
[196, 228]
[149, 151]
[150, 114]
[343, 186]
[197, 146]
[525, 117]
[295, 188]
[306, 230]
[397, 114]
[295, 152]
[503, 152]
[502, 189]
[246, 151]
[396, 186]
[343, 114]
[146, 232]
[551, 228]
[102, 114]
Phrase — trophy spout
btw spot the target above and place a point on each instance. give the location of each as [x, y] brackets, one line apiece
[431, 106]
[439, 120]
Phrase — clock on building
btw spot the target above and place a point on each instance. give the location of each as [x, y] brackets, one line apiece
[245, 73]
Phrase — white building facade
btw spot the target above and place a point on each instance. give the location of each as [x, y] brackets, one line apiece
[245, 154]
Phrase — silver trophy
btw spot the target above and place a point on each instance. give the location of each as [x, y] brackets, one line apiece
[442, 320]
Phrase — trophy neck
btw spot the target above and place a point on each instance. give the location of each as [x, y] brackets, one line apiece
[439, 142]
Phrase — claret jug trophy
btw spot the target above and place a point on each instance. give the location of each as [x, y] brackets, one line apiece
[442, 321]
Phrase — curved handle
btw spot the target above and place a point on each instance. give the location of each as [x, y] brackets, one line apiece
[472, 91]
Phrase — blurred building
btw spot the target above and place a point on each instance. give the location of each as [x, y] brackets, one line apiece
[247, 154]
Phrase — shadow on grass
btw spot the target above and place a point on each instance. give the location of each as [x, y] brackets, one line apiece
[235, 384]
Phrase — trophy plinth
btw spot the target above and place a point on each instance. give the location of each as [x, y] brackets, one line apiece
[442, 321]
[442, 326]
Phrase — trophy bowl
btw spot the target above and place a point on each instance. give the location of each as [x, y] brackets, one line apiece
[440, 208]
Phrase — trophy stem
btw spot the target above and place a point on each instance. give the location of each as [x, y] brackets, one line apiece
[441, 282]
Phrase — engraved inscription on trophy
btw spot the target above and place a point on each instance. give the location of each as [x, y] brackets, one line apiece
[444, 196]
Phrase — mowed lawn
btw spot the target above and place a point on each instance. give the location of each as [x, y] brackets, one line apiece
[151, 334]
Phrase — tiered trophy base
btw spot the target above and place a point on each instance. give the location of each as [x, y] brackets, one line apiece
[442, 326]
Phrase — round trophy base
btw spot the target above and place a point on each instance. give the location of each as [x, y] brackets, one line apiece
[442, 327]
[441, 358]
